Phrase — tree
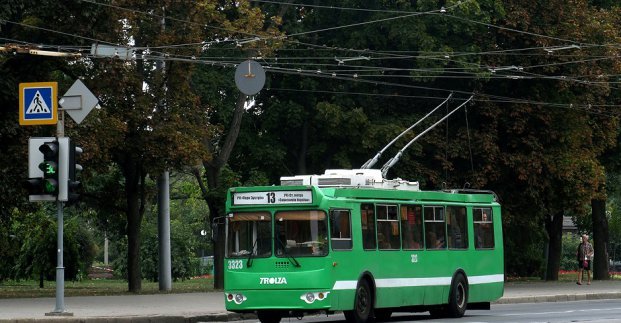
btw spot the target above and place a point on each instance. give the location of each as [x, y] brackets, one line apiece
[139, 129]
[246, 20]
[549, 152]
[21, 21]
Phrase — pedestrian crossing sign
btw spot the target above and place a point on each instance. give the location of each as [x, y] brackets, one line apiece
[37, 103]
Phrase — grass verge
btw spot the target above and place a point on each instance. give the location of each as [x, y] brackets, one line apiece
[563, 276]
[100, 287]
[97, 287]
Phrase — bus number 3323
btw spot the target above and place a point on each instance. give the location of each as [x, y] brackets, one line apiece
[235, 264]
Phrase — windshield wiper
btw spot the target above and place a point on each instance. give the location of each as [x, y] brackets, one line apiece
[290, 257]
[249, 262]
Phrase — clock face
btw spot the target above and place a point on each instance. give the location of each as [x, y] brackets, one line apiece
[250, 77]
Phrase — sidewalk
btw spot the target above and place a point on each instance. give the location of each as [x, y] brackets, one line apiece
[209, 307]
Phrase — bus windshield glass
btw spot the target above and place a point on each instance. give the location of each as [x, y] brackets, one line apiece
[301, 233]
[247, 233]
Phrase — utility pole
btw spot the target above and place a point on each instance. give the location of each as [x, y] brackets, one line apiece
[163, 202]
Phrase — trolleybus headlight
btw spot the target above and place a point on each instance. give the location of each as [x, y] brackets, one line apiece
[310, 298]
[237, 298]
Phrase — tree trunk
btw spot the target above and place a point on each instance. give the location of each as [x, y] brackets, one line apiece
[600, 239]
[216, 205]
[134, 276]
[215, 201]
[554, 228]
[134, 220]
[218, 252]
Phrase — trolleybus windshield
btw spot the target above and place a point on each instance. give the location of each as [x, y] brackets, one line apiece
[248, 234]
[301, 233]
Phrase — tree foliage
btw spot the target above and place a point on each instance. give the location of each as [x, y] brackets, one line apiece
[542, 130]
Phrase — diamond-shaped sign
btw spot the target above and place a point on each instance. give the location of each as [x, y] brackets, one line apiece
[78, 101]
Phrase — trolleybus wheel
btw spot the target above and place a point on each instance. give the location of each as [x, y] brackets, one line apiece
[382, 314]
[363, 304]
[458, 297]
[269, 316]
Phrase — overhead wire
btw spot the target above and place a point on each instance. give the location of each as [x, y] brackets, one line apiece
[492, 98]
[331, 7]
[57, 32]
[440, 12]
[167, 17]
[290, 71]
[331, 28]
[359, 24]
[446, 14]
[473, 76]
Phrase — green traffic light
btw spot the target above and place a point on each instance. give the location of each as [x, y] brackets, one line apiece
[50, 186]
[47, 168]
[50, 170]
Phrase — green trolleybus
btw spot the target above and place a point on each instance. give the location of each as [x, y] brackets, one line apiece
[352, 241]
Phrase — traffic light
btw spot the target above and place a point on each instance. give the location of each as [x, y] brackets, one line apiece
[74, 185]
[35, 183]
[50, 167]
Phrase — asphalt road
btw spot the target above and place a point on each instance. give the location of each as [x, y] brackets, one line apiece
[578, 311]
[518, 304]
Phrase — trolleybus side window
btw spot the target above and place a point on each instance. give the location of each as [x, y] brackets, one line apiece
[301, 233]
[367, 221]
[483, 228]
[412, 227]
[388, 227]
[340, 229]
[435, 237]
[249, 232]
[456, 227]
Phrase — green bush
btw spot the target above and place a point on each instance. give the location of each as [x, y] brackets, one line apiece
[523, 247]
[37, 235]
[568, 252]
[184, 263]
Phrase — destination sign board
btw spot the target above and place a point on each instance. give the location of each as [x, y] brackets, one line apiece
[273, 197]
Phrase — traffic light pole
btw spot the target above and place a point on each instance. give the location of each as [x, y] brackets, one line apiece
[60, 310]
[60, 268]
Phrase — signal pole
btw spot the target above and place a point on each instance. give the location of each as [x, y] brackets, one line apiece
[58, 181]
[60, 310]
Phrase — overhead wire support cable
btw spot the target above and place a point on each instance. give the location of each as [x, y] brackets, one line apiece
[396, 158]
[331, 7]
[371, 162]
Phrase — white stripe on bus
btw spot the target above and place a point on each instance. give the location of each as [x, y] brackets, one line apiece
[416, 282]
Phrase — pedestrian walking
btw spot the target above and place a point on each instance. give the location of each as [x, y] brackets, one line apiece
[584, 255]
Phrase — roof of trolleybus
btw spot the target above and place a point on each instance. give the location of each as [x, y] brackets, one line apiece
[318, 193]
[348, 184]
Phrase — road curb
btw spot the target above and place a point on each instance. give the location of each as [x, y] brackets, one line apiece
[216, 317]
[230, 316]
[558, 298]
